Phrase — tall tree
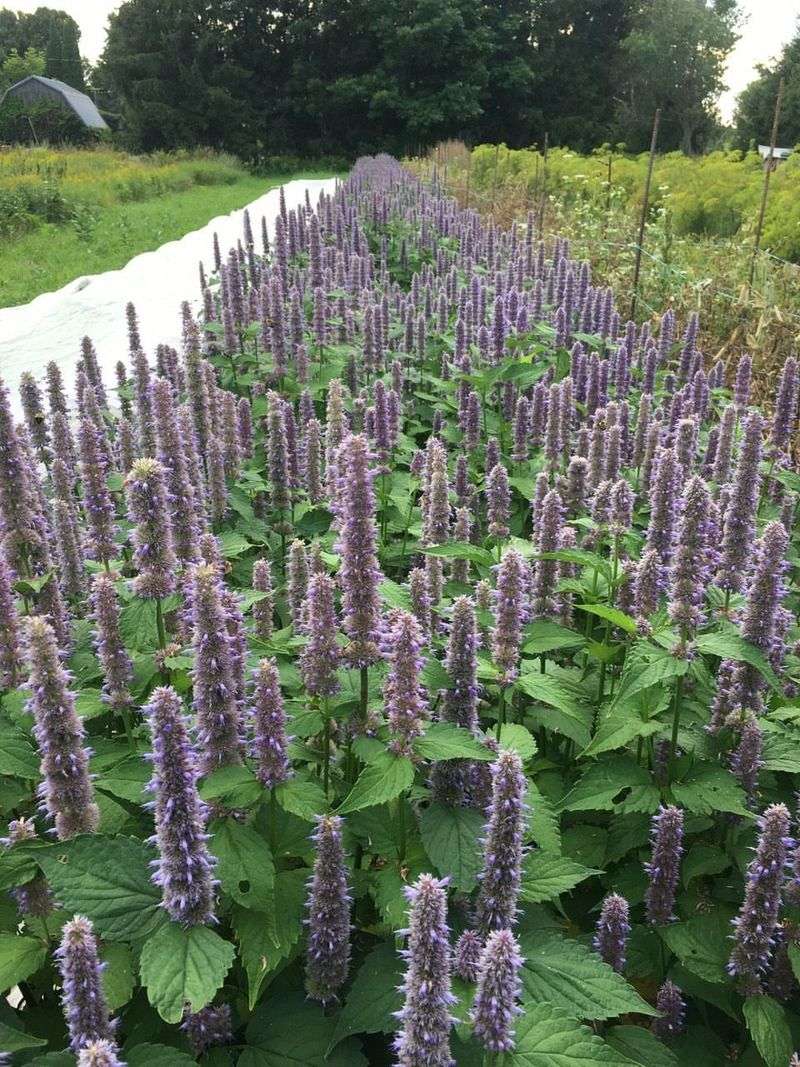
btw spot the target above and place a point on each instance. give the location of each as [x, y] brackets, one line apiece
[509, 99]
[674, 59]
[756, 104]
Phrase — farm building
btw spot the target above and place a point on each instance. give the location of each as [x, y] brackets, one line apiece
[37, 89]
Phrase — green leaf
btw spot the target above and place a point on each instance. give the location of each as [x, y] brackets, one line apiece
[703, 859]
[702, 944]
[267, 938]
[452, 839]
[395, 595]
[647, 665]
[602, 783]
[229, 781]
[641, 1046]
[545, 876]
[573, 978]
[374, 996]
[232, 544]
[519, 739]
[729, 644]
[291, 1031]
[575, 719]
[245, 866]
[18, 757]
[127, 779]
[137, 625]
[547, 1036]
[148, 1055]
[613, 615]
[769, 1028]
[445, 740]
[118, 978]
[303, 798]
[546, 636]
[13, 1040]
[20, 957]
[461, 550]
[181, 966]
[383, 780]
[108, 880]
[711, 788]
[543, 823]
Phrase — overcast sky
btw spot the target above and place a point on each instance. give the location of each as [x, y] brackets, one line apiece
[769, 25]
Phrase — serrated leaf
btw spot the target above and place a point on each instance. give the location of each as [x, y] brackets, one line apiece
[769, 1028]
[517, 738]
[374, 996]
[137, 625]
[18, 757]
[547, 1036]
[118, 979]
[230, 781]
[267, 938]
[703, 859]
[394, 594]
[108, 880]
[245, 867]
[127, 779]
[702, 944]
[183, 966]
[729, 644]
[613, 615]
[575, 719]
[383, 780]
[20, 957]
[452, 839]
[546, 636]
[148, 1055]
[232, 544]
[711, 788]
[543, 823]
[13, 1040]
[291, 1031]
[302, 797]
[602, 783]
[641, 1046]
[461, 550]
[545, 876]
[573, 978]
[445, 740]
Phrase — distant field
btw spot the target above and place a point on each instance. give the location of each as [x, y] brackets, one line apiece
[65, 213]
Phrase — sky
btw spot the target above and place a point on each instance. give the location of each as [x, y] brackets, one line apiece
[769, 25]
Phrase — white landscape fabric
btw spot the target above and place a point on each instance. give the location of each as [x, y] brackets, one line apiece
[51, 326]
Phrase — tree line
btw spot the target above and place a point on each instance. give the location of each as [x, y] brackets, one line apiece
[45, 41]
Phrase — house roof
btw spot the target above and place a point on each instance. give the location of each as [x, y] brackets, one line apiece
[81, 104]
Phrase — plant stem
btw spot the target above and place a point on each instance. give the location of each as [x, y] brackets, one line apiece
[676, 718]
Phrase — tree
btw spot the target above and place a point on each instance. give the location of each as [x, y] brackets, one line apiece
[509, 99]
[756, 104]
[63, 57]
[674, 59]
[15, 67]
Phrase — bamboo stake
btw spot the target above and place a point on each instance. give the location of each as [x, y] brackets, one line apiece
[645, 206]
[765, 191]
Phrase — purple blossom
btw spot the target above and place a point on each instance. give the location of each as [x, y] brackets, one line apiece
[498, 502]
[663, 495]
[670, 1003]
[663, 869]
[756, 924]
[102, 1053]
[178, 484]
[97, 503]
[321, 656]
[328, 952]
[510, 611]
[690, 567]
[148, 510]
[263, 608]
[425, 1018]
[404, 697]
[114, 659]
[498, 992]
[184, 866]
[613, 930]
[545, 574]
[84, 1002]
[467, 956]
[740, 515]
[496, 906]
[208, 1028]
[11, 656]
[66, 791]
[269, 727]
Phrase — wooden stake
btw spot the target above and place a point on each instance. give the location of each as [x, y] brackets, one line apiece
[645, 206]
[768, 171]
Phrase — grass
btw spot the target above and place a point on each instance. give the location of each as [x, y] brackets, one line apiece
[69, 212]
[52, 255]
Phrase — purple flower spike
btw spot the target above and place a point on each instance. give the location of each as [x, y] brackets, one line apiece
[691, 565]
[545, 575]
[359, 574]
[67, 788]
[467, 956]
[178, 484]
[756, 923]
[321, 656]
[498, 992]
[103, 1053]
[613, 930]
[496, 907]
[510, 610]
[426, 1019]
[269, 721]
[97, 502]
[213, 680]
[84, 1002]
[263, 608]
[114, 659]
[663, 495]
[498, 502]
[664, 866]
[740, 514]
[328, 952]
[148, 509]
[670, 1003]
[184, 866]
[404, 697]
[746, 761]
[209, 1028]
[11, 657]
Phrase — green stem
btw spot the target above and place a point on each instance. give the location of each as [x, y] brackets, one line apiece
[676, 719]
[364, 699]
[326, 750]
[162, 633]
[501, 711]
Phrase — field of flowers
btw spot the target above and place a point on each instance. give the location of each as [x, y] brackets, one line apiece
[404, 672]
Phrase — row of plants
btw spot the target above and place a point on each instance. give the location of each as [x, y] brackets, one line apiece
[404, 672]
